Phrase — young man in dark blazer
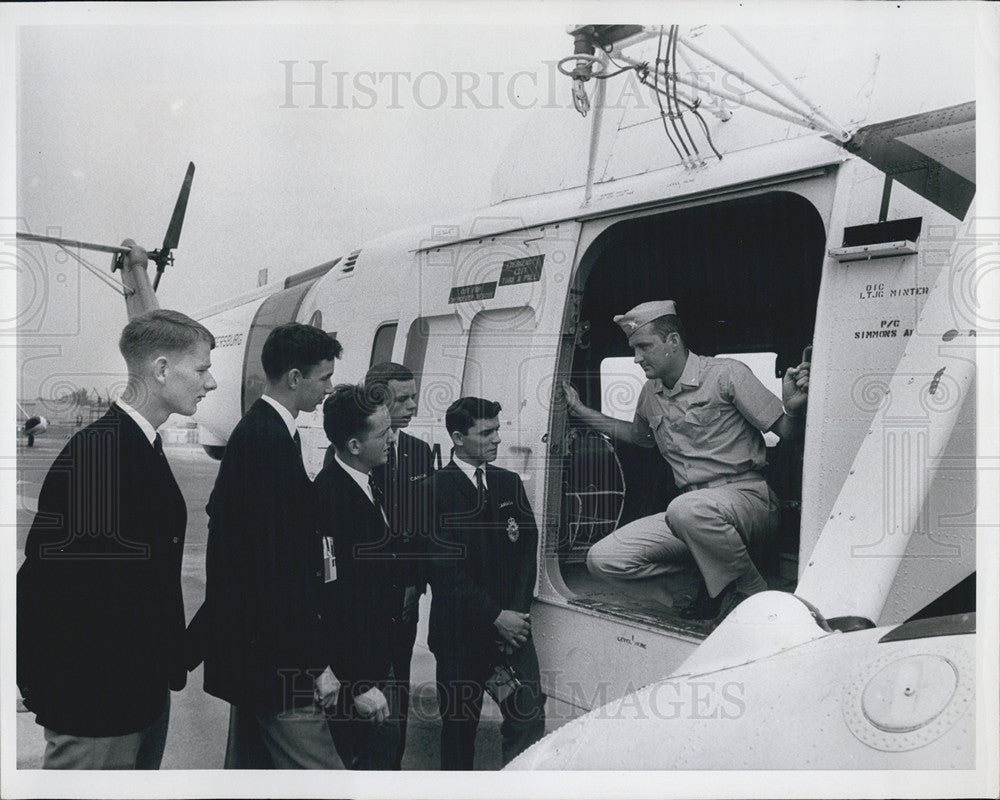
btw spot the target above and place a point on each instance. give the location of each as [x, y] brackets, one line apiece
[482, 581]
[410, 461]
[261, 629]
[100, 618]
[364, 599]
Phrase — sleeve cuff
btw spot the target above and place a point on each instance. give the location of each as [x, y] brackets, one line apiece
[491, 615]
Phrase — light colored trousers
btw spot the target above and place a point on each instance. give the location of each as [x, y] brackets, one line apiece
[140, 750]
[709, 527]
[296, 739]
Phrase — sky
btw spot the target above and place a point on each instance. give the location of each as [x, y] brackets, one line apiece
[404, 125]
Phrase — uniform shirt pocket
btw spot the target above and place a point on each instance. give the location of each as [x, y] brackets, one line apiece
[660, 425]
[702, 415]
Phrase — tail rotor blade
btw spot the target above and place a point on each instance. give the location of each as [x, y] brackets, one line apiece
[162, 256]
[177, 220]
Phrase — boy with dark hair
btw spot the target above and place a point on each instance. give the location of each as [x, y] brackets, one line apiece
[464, 412]
[294, 346]
[482, 583]
[364, 591]
[345, 414]
[265, 646]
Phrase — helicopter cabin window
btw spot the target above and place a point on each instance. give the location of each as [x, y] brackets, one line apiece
[436, 358]
[745, 275]
[496, 368]
[382, 344]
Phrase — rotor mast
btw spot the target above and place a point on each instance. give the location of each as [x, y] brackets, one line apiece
[594, 46]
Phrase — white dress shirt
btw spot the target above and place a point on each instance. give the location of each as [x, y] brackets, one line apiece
[362, 480]
[140, 420]
[470, 472]
[286, 415]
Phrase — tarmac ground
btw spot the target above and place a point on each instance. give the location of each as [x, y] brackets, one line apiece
[198, 721]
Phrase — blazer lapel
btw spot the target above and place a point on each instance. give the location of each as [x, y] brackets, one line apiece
[470, 496]
[277, 431]
[362, 505]
[465, 487]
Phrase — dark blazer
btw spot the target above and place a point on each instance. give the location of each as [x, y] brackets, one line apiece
[403, 494]
[362, 606]
[100, 618]
[260, 628]
[484, 558]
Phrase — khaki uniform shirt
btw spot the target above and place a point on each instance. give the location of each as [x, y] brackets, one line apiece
[709, 424]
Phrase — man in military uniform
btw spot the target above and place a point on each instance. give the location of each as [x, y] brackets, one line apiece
[706, 415]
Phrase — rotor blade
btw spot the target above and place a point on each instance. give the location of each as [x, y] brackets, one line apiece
[101, 248]
[177, 220]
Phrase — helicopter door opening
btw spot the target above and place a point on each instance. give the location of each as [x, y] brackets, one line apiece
[276, 310]
[745, 275]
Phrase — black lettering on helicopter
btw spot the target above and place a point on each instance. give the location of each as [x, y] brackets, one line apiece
[909, 291]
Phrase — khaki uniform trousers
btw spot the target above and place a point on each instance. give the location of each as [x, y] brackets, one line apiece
[711, 527]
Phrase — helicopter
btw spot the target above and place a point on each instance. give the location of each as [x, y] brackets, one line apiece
[33, 425]
[784, 213]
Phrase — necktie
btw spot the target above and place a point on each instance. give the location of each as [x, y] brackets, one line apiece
[158, 445]
[484, 495]
[391, 460]
[298, 443]
[376, 491]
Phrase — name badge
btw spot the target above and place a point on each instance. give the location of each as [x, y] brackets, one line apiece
[329, 561]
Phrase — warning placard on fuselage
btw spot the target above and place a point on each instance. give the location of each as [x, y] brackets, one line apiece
[474, 291]
[521, 270]
[513, 271]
